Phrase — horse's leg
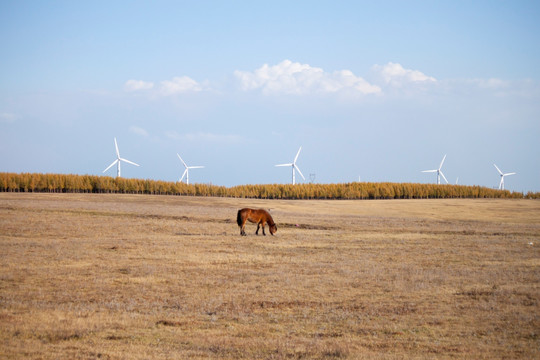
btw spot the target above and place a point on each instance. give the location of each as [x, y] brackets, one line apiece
[263, 227]
[242, 228]
[258, 226]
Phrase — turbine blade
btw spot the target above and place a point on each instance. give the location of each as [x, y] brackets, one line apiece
[443, 176]
[508, 174]
[297, 168]
[110, 166]
[285, 165]
[129, 162]
[116, 146]
[195, 167]
[499, 170]
[440, 166]
[429, 170]
[296, 157]
[184, 174]
[183, 162]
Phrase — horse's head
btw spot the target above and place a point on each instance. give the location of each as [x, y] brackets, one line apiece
[273, 229]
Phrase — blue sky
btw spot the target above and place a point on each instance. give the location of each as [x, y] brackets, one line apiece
[373, 90]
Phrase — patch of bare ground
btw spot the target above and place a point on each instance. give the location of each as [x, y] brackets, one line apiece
[139, 277]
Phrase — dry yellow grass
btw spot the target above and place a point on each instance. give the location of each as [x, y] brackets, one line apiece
[140, 277]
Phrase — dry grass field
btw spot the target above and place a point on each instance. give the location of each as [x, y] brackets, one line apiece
[87, 276]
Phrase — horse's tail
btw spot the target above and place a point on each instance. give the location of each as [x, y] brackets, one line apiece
[239, 218]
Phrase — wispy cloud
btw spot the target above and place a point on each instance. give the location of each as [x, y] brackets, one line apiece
[137, 85]
[289, 77]
[178, 85]
[204, 137]
[7, 117]
[526, 88]
[396, 75]
[491, 83]
[138, 130]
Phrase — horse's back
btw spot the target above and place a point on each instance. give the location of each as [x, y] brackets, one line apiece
[254, 215]
[263, 214]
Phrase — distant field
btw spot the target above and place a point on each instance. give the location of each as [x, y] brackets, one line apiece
[87, 276]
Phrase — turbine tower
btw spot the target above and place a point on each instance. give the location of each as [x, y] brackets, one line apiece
[294, 167]
[439, 172]
[118, 161]
[501, 184]
[186, 172]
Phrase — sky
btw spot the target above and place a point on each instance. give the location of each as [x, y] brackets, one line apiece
[371, 91]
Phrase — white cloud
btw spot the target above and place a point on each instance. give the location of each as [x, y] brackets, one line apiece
[179, 85]
[394, 74]
[137, 85]
[138, 130]
[290, 77]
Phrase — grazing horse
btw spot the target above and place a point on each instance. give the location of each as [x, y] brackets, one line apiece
[259, 216]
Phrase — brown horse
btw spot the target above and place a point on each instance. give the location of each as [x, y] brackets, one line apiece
[259, 216]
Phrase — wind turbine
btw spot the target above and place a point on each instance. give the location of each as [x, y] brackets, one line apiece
[118, 161]
[439, 172]
[186, 172]
[501, 184]
[294, 167]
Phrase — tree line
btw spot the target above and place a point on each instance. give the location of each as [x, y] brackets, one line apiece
[67, 183]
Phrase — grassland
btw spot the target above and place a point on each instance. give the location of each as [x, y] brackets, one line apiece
[87, 276]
